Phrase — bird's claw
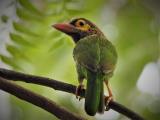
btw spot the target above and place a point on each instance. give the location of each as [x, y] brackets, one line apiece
[108, 99]
[78, 89]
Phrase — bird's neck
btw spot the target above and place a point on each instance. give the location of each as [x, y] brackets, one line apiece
[78, 37]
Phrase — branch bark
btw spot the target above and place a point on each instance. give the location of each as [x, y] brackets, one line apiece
[57, 85]
[37, 100]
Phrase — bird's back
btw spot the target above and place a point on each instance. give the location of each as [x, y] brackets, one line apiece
[96, 53]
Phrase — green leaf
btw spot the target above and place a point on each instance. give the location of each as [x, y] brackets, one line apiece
[30, 7]
[25, 15]
[21, 28]
[4, 18]
[58, 43]
[10, 61]
[19, 40]
[16, 52]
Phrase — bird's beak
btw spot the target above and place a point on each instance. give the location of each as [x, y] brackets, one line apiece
[65, 27]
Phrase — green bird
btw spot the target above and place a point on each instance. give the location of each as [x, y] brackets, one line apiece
[95, 59]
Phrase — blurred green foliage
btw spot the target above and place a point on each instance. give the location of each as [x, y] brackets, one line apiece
[4, 18]
[136, 43]
[38, 49]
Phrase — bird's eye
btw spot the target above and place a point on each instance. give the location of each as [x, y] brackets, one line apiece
[80, 23]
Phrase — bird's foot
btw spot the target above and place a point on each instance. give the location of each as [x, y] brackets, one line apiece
[108, 99]
[78, 89]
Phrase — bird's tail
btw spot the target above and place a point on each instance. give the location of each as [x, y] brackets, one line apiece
[101, 106]
[94, 94]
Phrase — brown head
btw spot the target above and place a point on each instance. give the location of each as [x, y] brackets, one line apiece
[78, 28]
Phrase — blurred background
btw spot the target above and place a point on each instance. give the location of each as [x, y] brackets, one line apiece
[29, 44]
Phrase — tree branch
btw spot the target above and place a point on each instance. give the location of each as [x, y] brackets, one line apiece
[38, 100]
[57, 85]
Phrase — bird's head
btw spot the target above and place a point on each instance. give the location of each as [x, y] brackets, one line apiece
[78, 28]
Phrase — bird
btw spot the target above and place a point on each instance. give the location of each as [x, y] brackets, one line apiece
[95, 59]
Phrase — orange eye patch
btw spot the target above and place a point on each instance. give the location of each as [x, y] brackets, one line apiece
[82, 25]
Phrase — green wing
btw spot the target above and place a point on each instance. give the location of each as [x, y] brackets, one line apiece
[87, 53]
[108, 57]
[96, 52]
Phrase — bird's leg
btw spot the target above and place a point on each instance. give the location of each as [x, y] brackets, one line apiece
[110, 97]
[79, 88]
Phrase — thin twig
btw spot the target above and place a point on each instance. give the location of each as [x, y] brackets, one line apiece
[57, 85]
[37, 100]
